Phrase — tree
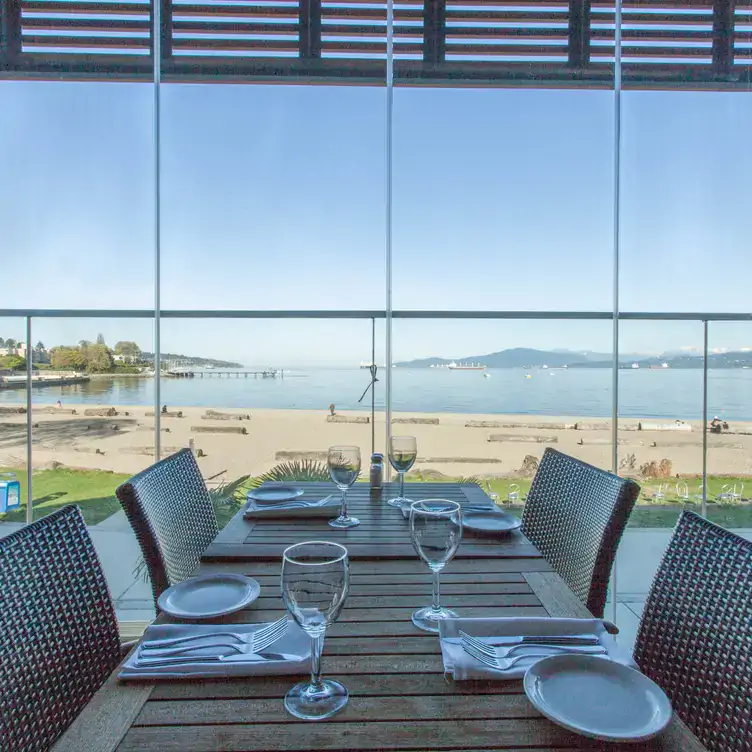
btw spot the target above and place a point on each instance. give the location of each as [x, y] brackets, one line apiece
[83, 343]
[100, 339]
[39, 345]
[10, 343]
[67, 359]
[98, 359]
[130, 349]
[13, 362]
[2, 342]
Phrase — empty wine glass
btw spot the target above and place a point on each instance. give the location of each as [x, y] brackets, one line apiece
[402, 453]
[315, 581]
[344, 469]
[436, 531]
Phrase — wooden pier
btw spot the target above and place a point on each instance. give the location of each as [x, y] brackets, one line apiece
[210, 373]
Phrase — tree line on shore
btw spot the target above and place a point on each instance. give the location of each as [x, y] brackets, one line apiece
[89, 357]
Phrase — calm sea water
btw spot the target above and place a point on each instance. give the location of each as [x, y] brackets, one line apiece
[586, 392]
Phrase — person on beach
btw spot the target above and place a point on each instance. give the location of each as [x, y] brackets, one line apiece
[59, 405]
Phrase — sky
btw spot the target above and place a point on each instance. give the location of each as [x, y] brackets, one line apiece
[273, 197]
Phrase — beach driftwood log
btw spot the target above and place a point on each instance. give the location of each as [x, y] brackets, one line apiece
[167, 414]
[347, 419]
[461, 460]
[106, 412]
[293, 455]
[498, 424]
[520, 438]
[220, 429]
[12, 411]
[417, 421]
[217, 415]
[52, 410]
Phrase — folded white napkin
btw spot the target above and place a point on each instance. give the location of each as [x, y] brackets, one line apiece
[294, 642]
[297, 508]
[463, 666]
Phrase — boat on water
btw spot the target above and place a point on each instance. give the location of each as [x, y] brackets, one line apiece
[466, 366]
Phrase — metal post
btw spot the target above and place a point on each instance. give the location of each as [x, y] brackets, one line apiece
[705, 419]
[617, 233]
[157, 58]
[373, 386]
[388, 301]
[29, 458]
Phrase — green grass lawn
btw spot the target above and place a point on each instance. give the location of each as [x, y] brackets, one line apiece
[92, 490]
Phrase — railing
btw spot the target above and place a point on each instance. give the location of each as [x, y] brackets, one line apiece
[564, 43]
[373, 315]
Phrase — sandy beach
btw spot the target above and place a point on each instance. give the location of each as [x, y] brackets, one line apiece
[250, 441]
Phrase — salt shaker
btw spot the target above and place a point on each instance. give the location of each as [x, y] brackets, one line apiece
[377, 471]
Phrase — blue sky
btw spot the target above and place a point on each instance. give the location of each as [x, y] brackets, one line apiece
[273, 197]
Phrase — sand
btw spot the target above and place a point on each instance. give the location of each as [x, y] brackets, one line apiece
[125, 443]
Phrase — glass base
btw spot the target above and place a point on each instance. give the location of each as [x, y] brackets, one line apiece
[428, 620]
[344, 522]
[314, 704]
[400, 501]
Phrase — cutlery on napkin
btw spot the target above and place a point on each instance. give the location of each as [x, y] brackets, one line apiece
[326, 506]
[502, 631]
[291, 654]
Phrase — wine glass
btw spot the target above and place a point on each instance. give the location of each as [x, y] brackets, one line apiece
[344, 469]
[315, 581]
[436, 531]
[402, 453]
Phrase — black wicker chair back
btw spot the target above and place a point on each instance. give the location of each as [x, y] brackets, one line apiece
[695, 636]
[58, 633]
[172, 516]
[575, 514]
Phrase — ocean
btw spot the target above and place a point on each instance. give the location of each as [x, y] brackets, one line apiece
[668, 394]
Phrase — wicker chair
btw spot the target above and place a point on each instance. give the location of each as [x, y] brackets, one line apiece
[575, 514]
[172, 516]
[58, 629]
[695, 636]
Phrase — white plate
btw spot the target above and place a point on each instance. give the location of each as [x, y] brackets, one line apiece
[490, 521]
[598, 698]
[209, 595]
[275, 494]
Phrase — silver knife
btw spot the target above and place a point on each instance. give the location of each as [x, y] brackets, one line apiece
[580, 639]
[198, 660]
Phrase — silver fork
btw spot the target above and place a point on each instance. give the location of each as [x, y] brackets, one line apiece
[257, 641]
[573, 645]
[499, 664]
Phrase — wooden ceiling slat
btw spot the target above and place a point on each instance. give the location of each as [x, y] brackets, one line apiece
[202, 27]
[340, 12]
[236, 45]
[84, 24]
[86, 8]
[44, 40]
[235, 11]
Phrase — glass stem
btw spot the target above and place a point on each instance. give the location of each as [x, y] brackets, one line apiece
[436, 605]
[317, 645]
[402, 485]
[343, 511]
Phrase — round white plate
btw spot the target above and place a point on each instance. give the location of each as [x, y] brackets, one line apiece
[490, 522]
[275, 495]
[209, 595]
[597, 698]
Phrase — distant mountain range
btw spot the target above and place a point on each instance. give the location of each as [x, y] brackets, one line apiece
[191, 360]
[525, 357]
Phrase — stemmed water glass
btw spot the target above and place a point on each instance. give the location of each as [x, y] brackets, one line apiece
[344, 469]
[315, 581]
[436, 531]
[402, 453]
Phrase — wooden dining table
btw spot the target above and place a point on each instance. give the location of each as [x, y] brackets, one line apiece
[400, 698]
